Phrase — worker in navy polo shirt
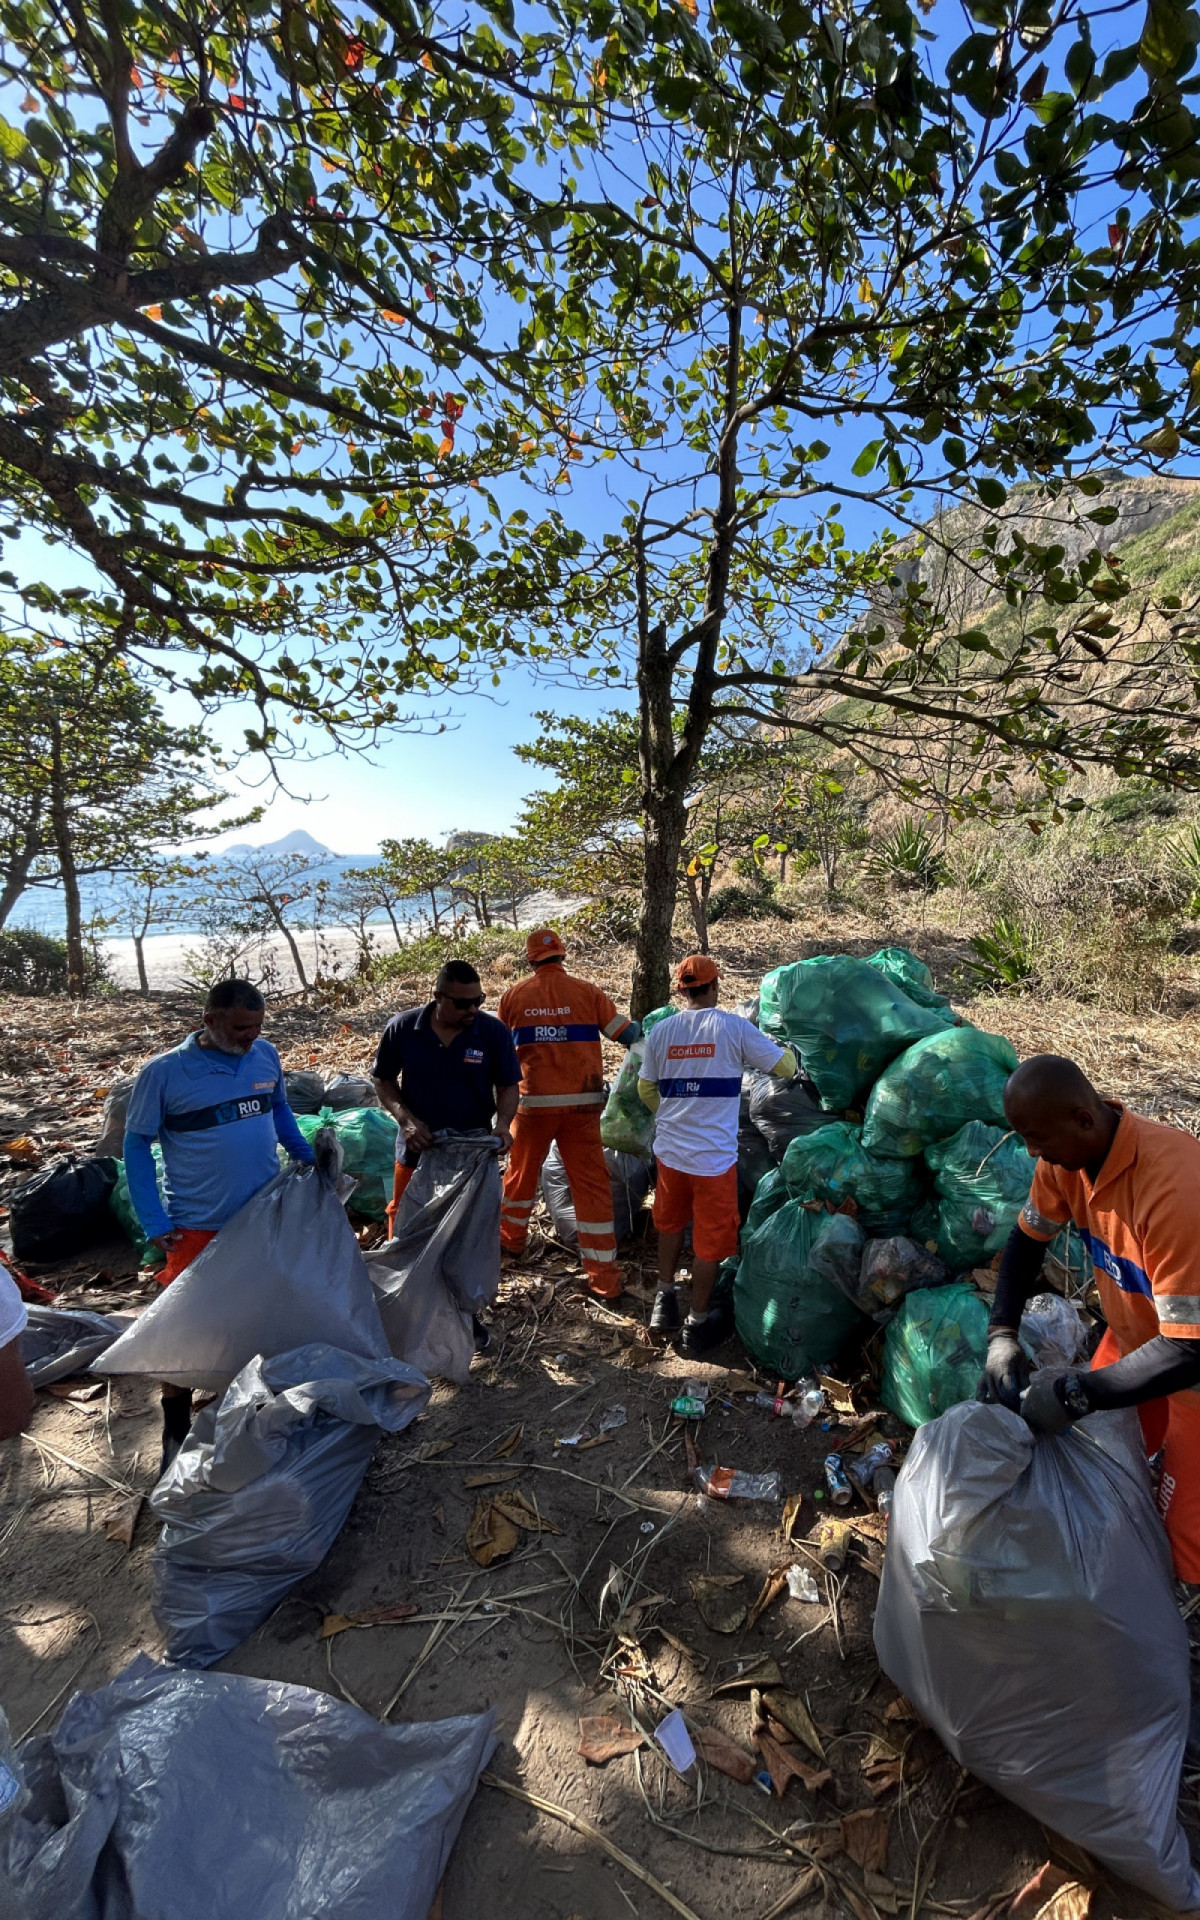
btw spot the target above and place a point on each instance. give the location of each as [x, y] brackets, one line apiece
[446, 1067]
[218, 1108]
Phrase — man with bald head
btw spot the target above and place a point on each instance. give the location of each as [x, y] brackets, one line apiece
[1132, 1189]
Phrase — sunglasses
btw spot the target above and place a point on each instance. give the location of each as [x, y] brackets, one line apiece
[460, 1006]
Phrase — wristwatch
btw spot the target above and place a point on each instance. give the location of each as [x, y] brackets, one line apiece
[1073, 1394]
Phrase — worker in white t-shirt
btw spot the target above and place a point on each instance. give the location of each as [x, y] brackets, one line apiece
[691, 1077]
[16, 1394]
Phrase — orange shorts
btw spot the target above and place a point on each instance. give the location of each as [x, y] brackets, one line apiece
[708, 1200]
[191, 1241]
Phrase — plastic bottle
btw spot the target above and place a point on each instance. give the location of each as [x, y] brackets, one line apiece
[837, 1480]
[810, 1404]
[727, 1483]
[772, 1402]
[885, 1487]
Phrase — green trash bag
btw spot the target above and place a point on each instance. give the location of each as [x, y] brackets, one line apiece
[627, 1124]
[832, 1164]
[933, 1351]
[769, 1195]
[121, 1205]
[983, 1176]
[935, 1088]
[847, 1021]
[367, 1136]
[908, 973]
[791, 1302]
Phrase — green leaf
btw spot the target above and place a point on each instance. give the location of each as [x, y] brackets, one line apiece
[865, 463]
[991, 492]
[1164, 442]
[1171, 30]
[955, 451]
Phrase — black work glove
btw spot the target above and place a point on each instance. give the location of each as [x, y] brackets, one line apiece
[1046, 1403]
[1006, 1371]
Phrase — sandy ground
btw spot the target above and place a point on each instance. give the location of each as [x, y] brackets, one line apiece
[527, 1636]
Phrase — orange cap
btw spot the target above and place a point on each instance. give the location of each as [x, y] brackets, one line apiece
[544, 944]
[698, 970]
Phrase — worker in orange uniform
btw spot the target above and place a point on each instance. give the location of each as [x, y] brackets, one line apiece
[1132, 1189]
[556, 1021]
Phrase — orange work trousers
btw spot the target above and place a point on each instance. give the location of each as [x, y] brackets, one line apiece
[191, 1241]
[577, 1132]
[1174, 1425]
[400, 1180]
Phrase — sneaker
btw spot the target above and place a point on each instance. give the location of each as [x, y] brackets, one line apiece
[699, 1336]
[664, 1315]
[483, 1334]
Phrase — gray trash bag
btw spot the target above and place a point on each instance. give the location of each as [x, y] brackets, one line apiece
[444, 1263]
[58, 1342]
[629, 1177]
[112, 1120]
[1053, 1332]
[305, 1092]
[347, 1090]
[1027, 1612]
[890, 1269]
[284, 1272]
[261, 1488]
[781, 1109]
[213, 1796]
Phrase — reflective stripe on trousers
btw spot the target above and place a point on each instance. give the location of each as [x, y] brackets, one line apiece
[577, 1132]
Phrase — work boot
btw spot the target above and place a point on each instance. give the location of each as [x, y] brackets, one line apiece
[177, 1421]
[610, 1288]
[700, 1336]
[482, 1333]
[664, 1314]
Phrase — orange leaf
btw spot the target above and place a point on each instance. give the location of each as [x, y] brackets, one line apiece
[427, 62]
[154, 313]
[719, 1751]
[603, 1737]
[389, 313]
[135, 78]
[236, 100]
[446, 446]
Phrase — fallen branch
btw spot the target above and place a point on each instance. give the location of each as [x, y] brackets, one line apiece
[588, 1832]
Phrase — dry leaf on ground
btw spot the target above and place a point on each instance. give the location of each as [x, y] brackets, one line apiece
[791, 1712]
[491, 1534]
[770, 1590]
[880, 1891]
[791, 1513]
[509, 1444]
[759, 1673]
[865, 1838]
[836, 1392]
[120, 1524]
[783, 1764]
[1050, 1886]
[393, 1616]
[602, 1737]
[719, 1608]
[498, 1477]
[717, 1750]
[1072, 1902]
[884, 1766]
[521, 1511]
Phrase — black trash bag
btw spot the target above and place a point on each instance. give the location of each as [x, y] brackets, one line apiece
[629, 1177]
[782, 1109]
[63, 1210]
[213, 1796]
[58, 1342]
[753, 1162]
[347, 1090]
[112, 1123]
[262, 1486]
[305, 1092]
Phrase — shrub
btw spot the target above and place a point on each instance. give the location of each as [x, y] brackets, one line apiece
[746, 903]
[612, 920]
[418, 962]
[1006, 955]
[31, 962]
[908, 856]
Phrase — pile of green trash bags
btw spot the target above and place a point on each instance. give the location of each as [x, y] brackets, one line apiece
[791, 1294]
[834, 1165]
[933, 1351]
[982, 1176]
[847, 1020]
[908, 973]
[121, 1206]
[626, 1125]
[936, 1087]
[367, 1136]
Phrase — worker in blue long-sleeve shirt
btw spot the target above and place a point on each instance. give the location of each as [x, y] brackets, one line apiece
[218, 1108]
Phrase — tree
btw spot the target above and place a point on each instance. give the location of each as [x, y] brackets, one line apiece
[825, 229]
[158, 893]
[261, 273]
[85, 745]
[253, 896]
[415, 869]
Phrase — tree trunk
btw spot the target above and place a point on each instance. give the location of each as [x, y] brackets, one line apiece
[435, 910]
[18, 872]
[286, 931]
[139, 941]
[387, 907]
[665, 820]
[60, 823]
[698, 904]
